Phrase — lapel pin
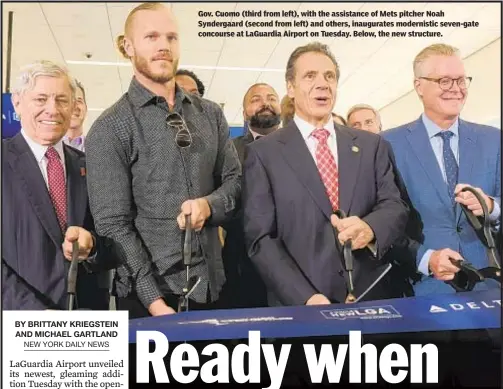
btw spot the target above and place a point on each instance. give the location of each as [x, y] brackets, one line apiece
[355, 149]
[82, 171]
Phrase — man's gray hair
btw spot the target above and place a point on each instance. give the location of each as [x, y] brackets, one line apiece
[26, 78]
[359, 107]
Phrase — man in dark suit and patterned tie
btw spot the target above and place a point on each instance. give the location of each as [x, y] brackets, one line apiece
[43, 192]
[294, 180]
[144, 181]
[244, 288]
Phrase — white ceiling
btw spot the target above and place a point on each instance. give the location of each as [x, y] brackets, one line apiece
[375, 71]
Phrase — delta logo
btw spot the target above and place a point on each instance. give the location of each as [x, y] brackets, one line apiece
[367, 313]
[472, 305]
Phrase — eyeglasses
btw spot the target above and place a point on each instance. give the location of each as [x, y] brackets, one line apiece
[177, 124]
[446, 83]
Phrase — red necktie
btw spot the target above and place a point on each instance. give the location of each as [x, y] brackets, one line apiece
[327, 166]
[57, 185]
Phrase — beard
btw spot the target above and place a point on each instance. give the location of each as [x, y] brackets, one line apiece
[142, 65]
[263, 123]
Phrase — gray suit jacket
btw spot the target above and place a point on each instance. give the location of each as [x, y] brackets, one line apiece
[138, 178]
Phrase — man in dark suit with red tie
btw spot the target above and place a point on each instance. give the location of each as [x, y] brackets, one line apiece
[294, 180]
[44, 202]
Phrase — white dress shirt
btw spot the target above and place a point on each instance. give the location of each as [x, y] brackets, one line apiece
[39, 153]
[306, 129]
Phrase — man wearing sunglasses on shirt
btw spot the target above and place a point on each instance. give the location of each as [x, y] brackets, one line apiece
[155, 156]
[437, 155]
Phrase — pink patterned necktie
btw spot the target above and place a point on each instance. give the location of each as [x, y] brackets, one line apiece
[57, 185]
[327, 166]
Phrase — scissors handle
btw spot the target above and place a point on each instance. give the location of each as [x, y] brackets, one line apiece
[72, 275]
[484, 227]
[187, 245]
[467, 277]
[347, 252]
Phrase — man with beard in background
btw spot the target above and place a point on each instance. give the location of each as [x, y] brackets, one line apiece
[262, 115]
[145, 175]
[244, 288]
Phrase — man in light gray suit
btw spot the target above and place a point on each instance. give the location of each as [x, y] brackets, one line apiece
[143, 181]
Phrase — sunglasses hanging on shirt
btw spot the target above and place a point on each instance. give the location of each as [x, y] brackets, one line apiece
[176, 123]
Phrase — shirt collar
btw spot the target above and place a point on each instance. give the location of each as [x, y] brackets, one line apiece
[79, 140]
[432, 129]
[306, 128]
[40, 150]
[141, 96]
[254, 134]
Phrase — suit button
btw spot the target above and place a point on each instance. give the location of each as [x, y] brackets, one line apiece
[459, 229]
[341, 273]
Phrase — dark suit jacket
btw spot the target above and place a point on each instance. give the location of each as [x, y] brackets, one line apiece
[240, 144]
[34, 271]
[244, 287]
[287, 213]
[234, 247]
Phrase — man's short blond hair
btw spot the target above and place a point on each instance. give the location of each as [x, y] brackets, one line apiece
[129, 22]
[430, 51]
